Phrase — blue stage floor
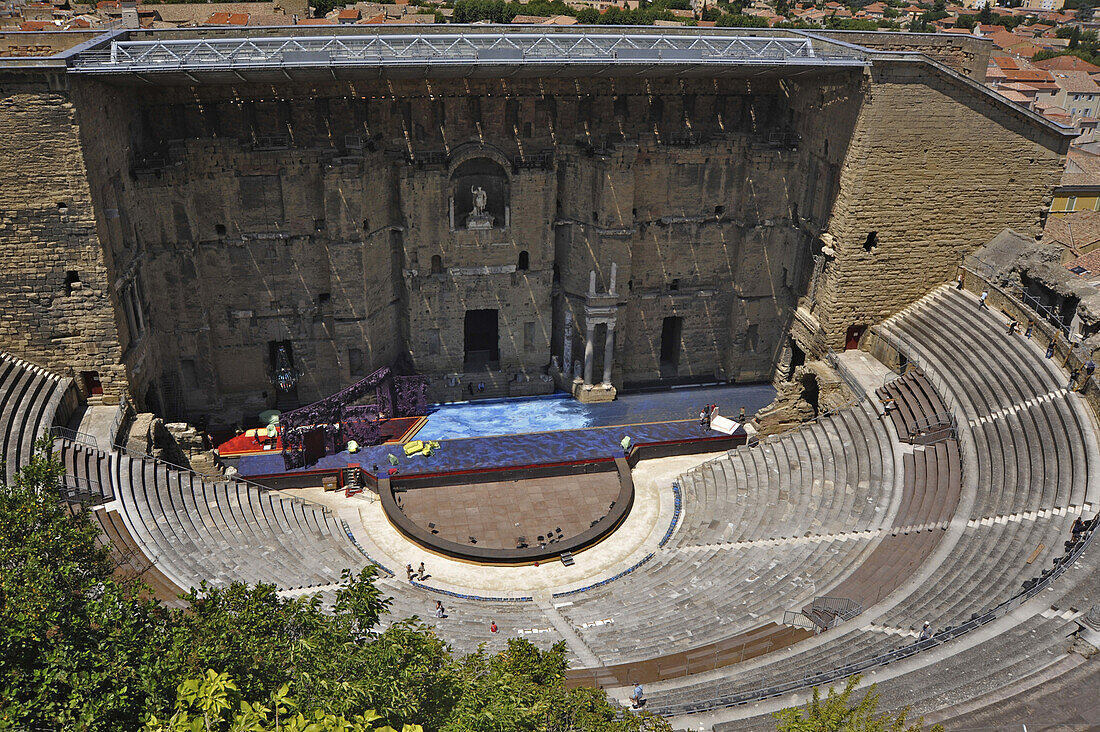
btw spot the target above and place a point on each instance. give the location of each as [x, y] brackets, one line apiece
[562, 412]
[551, 430]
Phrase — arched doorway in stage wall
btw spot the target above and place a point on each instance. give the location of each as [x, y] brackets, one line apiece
[851, 338]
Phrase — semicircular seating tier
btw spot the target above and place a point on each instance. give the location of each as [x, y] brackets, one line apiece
[194, 529]
[1028, 448]
[31, 401]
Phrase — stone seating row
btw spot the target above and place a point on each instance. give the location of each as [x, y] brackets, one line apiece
[758, 535]
[220, 531]
[29, 402]
[917, 411]
[1034, 449]
[87, 476]
[130, 560]
[1032, 462]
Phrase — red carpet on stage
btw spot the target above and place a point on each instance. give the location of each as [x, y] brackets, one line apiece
[394, 430]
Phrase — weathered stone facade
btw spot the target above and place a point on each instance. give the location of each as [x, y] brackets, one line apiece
[57, 303]
[927, 160]
[341, 220]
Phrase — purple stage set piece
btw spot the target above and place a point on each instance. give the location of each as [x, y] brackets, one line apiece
[326, 426]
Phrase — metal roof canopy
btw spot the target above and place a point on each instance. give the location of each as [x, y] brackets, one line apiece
[496, 51]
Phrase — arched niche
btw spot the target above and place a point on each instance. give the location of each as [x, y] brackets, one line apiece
[479, 195]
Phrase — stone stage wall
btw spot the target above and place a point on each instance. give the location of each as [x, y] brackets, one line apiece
[335, 218]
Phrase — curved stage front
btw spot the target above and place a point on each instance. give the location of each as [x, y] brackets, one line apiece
[527, 518]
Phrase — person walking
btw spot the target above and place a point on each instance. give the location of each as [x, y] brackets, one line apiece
[703, 418]
[439, 611]
[982, 298]
[1050, 349]
[1073, 378]
[741, 415]
[959, 282]
[637, 699]
[409, 571]
[1030, 327]
[422, 572]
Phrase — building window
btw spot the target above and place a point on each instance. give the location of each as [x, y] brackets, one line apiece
[72, 281]
[437, 264]
[433, 342]
[524, 261]
[871, 242]
[1071, 203]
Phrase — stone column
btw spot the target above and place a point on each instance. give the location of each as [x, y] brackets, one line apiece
[588, 350]
[608, 351]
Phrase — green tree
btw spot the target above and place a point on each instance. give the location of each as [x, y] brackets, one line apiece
[72, 642]
[80, 650]
[985, 15]
[213, 703]
[588, 16]
[321, 8]
[837, 713]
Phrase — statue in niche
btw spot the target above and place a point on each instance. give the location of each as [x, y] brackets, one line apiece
[478, 218]
[480, 200]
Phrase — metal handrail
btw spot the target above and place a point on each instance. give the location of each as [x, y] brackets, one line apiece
[1022, 297]
[59, 432]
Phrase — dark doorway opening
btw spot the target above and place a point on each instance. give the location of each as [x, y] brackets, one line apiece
[481, 340]
[153, 402]
[851, 338]
[92, 385]
[671, 330]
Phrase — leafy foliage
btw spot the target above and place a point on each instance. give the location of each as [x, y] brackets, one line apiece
[836, 713]
[80, 650]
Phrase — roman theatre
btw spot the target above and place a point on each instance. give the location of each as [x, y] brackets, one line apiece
[294, 300]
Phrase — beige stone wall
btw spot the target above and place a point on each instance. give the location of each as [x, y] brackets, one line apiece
[48, 230]
[235, 216]
[935, 169]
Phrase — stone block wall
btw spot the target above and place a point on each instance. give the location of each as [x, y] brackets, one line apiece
[218, 221]
[934, 169]
[57, 304]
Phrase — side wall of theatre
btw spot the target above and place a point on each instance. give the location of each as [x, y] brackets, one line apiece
[933, 171]
[58, 304]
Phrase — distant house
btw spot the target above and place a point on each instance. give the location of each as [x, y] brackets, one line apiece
[1067, 63]
[347, 16]
[876, 11]
[1080, 186]
[1044, 4]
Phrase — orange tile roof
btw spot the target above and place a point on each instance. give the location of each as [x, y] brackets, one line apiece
[36, 25]
[1067, 63]
[349, 14]
[227, 19]
[316, 21]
